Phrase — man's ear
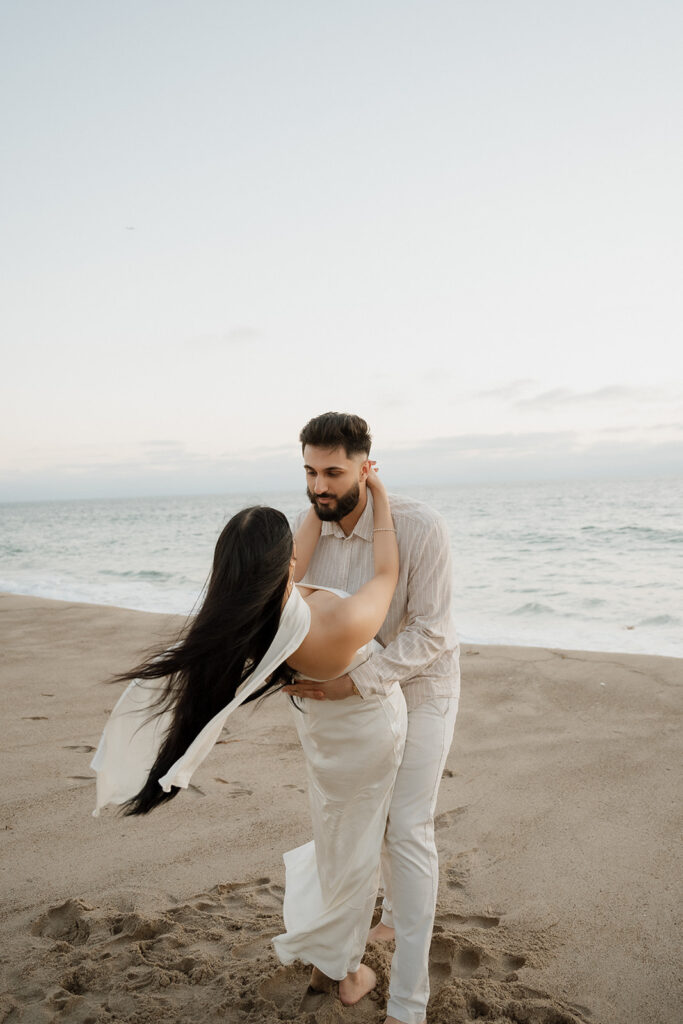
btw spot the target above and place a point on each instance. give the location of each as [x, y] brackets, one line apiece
[364, 470]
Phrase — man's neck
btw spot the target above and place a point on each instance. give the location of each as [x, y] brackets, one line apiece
[348, 522]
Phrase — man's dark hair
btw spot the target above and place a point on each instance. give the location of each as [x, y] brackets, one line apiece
[337, 430]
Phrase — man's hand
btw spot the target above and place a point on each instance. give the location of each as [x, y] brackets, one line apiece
[333, 689]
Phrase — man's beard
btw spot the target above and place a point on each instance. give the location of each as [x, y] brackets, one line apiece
[342, 507]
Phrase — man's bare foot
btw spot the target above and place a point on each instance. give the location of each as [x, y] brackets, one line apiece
[320, 982]
[357, 984]
[381, 933]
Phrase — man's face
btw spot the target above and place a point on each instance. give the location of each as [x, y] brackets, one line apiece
[333, 481]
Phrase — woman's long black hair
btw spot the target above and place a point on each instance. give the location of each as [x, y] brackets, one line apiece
[232, 631]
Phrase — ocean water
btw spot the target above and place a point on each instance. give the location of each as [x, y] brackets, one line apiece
[592, 565]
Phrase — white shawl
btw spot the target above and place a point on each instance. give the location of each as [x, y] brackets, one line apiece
[134, 732]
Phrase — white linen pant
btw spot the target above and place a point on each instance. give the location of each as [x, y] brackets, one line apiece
[410, 866]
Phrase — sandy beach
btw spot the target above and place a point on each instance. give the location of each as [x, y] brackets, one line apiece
[557, 824]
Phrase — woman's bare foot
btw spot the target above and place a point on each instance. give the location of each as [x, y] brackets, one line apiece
[320, 982]
[356, 984]
[381, 933]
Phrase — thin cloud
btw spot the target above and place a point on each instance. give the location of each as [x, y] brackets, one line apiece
[653, 428]
[491, 458]
[677, 427]
[601, 396]
[487, 444]
[461, 459]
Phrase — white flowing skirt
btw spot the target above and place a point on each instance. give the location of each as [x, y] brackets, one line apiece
[353, 749]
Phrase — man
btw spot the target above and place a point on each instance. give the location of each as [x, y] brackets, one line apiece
[420, 652]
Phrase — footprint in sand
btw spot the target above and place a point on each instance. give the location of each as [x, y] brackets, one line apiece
[291, 785]
[492, 1000]
[455, 879]
[81, 748]
[458, 957]
[35, 718]
[457, 868]
[66, 922]
[446, 819]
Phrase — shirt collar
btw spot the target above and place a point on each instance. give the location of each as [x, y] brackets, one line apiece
[362, 529]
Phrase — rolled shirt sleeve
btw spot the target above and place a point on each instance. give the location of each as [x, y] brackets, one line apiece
[427, 632]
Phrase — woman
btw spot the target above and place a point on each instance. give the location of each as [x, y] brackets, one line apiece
[253, 631]
[353, 748]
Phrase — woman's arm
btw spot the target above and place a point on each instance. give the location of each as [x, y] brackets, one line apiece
[384, 545]
[305, 540]
[361, 615]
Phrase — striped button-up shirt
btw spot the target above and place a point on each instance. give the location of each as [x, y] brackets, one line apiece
[419, 639]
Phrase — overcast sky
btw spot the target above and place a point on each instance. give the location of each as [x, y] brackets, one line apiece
[462, 220]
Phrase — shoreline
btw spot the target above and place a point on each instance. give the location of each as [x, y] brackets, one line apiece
[463, 643]
[554, 828]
